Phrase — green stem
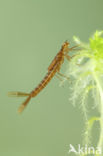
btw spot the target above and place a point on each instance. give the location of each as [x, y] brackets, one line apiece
[100, 89]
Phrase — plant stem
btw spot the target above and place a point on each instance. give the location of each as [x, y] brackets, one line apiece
[100, 89]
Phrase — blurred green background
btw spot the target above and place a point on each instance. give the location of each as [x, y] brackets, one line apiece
[31, 33]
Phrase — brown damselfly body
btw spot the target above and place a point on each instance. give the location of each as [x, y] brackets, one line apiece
[53, 68]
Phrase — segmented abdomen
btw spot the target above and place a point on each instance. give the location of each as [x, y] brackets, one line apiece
[45, 81]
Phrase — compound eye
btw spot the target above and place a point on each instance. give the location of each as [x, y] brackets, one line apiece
[66, 44]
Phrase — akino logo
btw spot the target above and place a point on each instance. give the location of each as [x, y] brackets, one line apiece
[84, 150]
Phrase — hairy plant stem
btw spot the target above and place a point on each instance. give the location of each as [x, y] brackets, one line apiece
[100, 89]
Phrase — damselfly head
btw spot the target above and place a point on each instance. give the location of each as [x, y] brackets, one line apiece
[65, 46]
[66, 43]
